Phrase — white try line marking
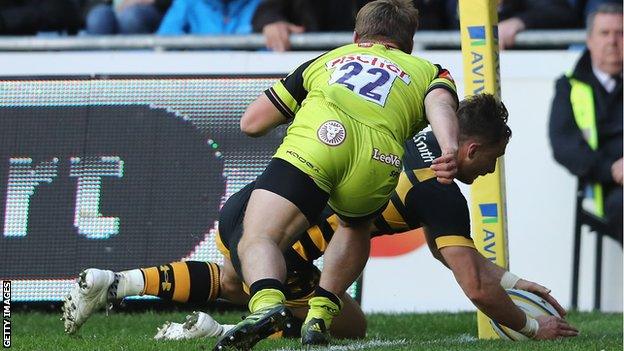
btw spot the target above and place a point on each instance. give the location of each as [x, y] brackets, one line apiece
[362, 345]
[460, 339]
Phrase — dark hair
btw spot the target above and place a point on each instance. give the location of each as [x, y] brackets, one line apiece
[607, 8]
[393, 20]
[485, 117]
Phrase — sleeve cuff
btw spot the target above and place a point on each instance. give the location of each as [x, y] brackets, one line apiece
[454, 240]
[446, 87]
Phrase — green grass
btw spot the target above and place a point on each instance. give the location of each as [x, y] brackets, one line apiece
[439, 331]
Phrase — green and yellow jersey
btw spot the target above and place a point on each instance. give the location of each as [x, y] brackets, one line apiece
[355, 107]
[419, 200]
[377, 85]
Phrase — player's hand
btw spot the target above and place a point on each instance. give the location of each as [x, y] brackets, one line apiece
[552, 327]
[540, 291]
[445, 167]
[276, 35]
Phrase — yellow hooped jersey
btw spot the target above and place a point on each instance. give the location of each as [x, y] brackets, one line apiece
[377, 85]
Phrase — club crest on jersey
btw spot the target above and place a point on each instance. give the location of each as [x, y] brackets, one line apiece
[331, 133]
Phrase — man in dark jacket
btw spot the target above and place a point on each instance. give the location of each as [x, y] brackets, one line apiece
[277, 19]
[28, 17]
[586, 116]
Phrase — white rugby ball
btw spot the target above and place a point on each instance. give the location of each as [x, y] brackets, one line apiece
[531, 304]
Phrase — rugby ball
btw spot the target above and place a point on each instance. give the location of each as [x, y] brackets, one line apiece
[531, 304]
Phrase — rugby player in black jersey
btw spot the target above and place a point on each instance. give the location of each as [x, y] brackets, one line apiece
[418, 201]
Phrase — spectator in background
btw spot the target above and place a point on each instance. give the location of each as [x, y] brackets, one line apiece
[209, 17]
[518, 15]
[124, 16]
[277, 19]
[586, 115]
[29, 17]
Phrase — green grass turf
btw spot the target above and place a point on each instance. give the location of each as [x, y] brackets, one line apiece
[438, 331]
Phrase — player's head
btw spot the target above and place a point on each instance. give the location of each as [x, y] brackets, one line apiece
[392, 21]
[604, 38]
[483, 136]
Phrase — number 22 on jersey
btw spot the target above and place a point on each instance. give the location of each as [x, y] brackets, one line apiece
[368, 76]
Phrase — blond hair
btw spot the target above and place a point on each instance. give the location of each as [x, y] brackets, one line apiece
[390, 20]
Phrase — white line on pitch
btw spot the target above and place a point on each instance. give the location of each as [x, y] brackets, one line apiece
[363, 345]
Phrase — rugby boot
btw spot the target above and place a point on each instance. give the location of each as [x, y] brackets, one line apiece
[255, 327]
[91, 292]
[314, 333]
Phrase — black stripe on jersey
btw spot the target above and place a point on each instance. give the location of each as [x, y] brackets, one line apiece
[383, 226]
[445, 87]
[399, 205]
[278, 103]
[412, 177]
[200, 286]
[310, 248]
[166, 277]
[294, 82]
[326, 230]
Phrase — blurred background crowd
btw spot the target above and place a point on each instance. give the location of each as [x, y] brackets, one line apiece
[275, 19]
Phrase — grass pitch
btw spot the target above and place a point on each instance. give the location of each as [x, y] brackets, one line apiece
[438, 331]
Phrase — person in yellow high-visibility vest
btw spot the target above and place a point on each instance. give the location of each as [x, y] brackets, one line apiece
[586, 116]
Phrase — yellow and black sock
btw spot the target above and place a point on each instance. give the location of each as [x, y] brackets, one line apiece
[189, 281]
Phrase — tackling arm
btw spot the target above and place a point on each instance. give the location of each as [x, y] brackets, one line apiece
[441, 107]
[261, 117]
[277, 105]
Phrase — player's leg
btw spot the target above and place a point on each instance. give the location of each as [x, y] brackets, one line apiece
[232, 285]
[343, 263]
[349, 324]
[281, 207]
[189, 281]
[201, 324]
[358, 199]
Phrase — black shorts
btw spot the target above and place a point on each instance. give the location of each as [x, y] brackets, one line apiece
[287, 181]
[302, 276]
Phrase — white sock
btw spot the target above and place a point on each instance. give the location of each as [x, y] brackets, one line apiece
[130, 283]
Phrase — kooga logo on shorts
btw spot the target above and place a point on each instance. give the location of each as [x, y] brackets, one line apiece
[302, 160]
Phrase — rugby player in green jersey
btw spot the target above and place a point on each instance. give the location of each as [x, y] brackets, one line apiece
[419, 200]
[352, 109]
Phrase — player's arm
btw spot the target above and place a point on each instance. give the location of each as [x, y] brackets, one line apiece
[482, 281]
[276, 105]
[261, 117]
[446, 221]
[441, 107]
